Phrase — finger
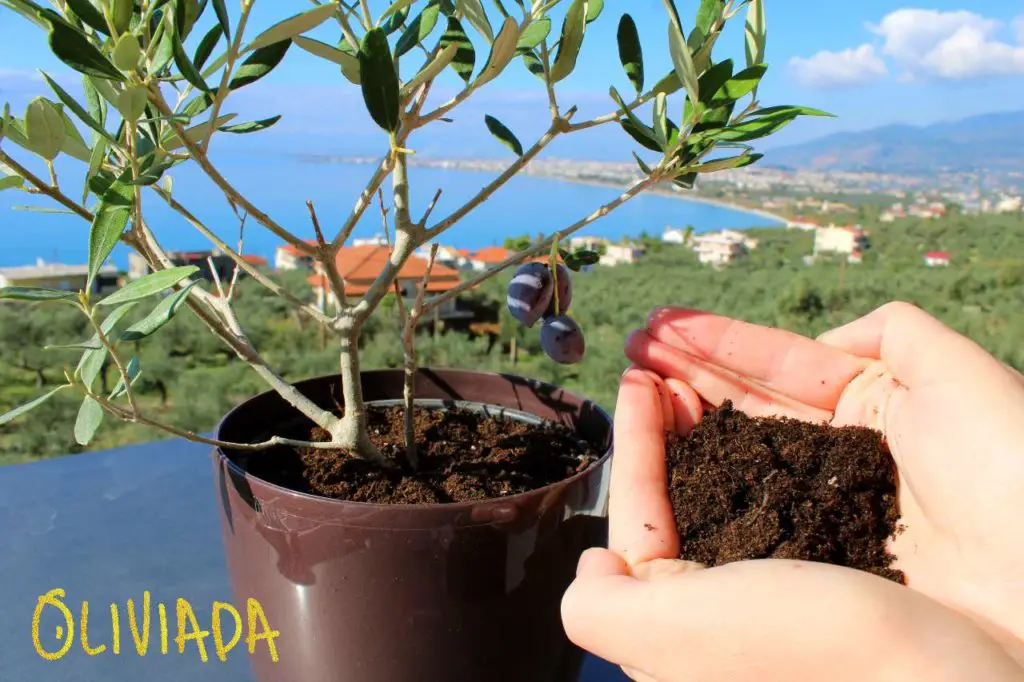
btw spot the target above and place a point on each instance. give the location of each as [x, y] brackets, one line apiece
[787, 363]
[774, 620]
[598, 561]
[918, 348]
[668, 413]
[641, 521]
[714, 384]
[686, 404]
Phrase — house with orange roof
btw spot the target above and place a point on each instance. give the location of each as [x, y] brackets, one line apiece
[360, 265]
[488, 257]
[288, 257]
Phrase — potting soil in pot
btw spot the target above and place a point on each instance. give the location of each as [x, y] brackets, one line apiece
[755, 488]
[464, 455]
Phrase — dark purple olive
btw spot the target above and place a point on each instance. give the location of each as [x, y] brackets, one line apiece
[562, 340]
[530, 292]
[563, 281]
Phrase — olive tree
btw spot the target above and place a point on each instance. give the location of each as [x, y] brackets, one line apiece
[150, 104]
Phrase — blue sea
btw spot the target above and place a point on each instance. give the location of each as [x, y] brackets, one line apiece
[281, 186]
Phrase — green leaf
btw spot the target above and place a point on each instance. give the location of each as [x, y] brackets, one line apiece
[379, 78]
[349, 63]
[132, 370]
[784, 111]
[475, 14]
[504, 135]
[163, 37]
[661, 119]
[395, 21]
[395, 7]
[195, 133]
[89, 417]
[70, 46]
[121, 12]
[728, 163]
[503, 50]
[132, 101]
[126, 53]
[573, 28]
[74, 146]
[594, 9]
[712, 81]
[418, 30]
[670, 84]
[44, 128]
[197, 105]
[105, 89]
[710, 11]
[96, 157]
[90, 16]
[162, 313]
[108, 224]
[10, 182]
[533, 63]
[251, 126]
[643, 166]
[185, 14]
[682, 60]
[751, 130]
[86, 118]
[465, 57]
[755, 32]
[637, 129]
[294, 25]
[433, 68]
[27, 9]
[150, 284]
[259, 64]
[185, 65]
[90, 365]
[631, 53]
[95, 106]
[151, 172]
[222, 17]
[534, 34]
[36, 294]
[206, 45]
[8, 417]
[742, 83]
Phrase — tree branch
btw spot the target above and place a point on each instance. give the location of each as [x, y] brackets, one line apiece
[613, 116]
[409, 345]
[233, 196]
[232, 56]
[364, 200]
[40, 184]
[329, 262]
[543, 246]
[240, 262]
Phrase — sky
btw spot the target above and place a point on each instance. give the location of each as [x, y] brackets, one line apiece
[870, 62]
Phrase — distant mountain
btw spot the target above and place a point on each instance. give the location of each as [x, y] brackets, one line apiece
[989, 142]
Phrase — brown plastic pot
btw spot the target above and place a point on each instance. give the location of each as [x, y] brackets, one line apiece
[466, 592]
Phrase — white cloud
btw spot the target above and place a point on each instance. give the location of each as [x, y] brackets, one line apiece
[951, 45]
[826, 69]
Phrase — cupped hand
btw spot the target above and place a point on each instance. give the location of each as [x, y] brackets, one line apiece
[954, 419]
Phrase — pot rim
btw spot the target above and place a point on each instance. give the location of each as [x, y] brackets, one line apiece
[433, 506]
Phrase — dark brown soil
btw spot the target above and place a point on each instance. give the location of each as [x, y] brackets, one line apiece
[463, 456]
[745, 488]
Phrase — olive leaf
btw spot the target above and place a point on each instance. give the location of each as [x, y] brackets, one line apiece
[630, 52]
[31, 405]
[474, 13]
[379, 78]
[153, 283]
[35, 294]
[221, 10]
[465, 57]
[742, 83]
[162, 313]
[349, 63]
[206, 45]
[44, 128]
[418, 30]
[728, 163]
[710, 11]
[251, 126]
[126, 53]
[755, 32]
[90, 16]
[258, 64]
[132, 369]
[432, 68]
[682, 60]
[90, 414]
[108, 224]
[71, 46]
[185, 65]
[573, 28]
[534, 34]
[502, 51]
[504, 135]
[70, 102]
[294, 25]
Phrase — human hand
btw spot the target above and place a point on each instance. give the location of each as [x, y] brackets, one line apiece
[898, 370]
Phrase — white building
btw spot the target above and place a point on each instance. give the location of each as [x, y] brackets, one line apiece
[841, 239]
[936, 259]
[722, 248]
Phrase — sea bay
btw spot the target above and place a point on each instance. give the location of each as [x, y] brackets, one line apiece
[280, 186]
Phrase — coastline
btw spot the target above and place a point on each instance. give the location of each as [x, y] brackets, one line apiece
[682, 196]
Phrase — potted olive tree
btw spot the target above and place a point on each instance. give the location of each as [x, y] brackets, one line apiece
[384, 542]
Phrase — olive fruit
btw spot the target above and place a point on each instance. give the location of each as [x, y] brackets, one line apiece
[530, 293]
[563, 282]
[562, 340]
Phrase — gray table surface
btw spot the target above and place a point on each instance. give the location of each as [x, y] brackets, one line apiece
[106, 527]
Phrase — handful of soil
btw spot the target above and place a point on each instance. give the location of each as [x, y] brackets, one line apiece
[756, 488]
